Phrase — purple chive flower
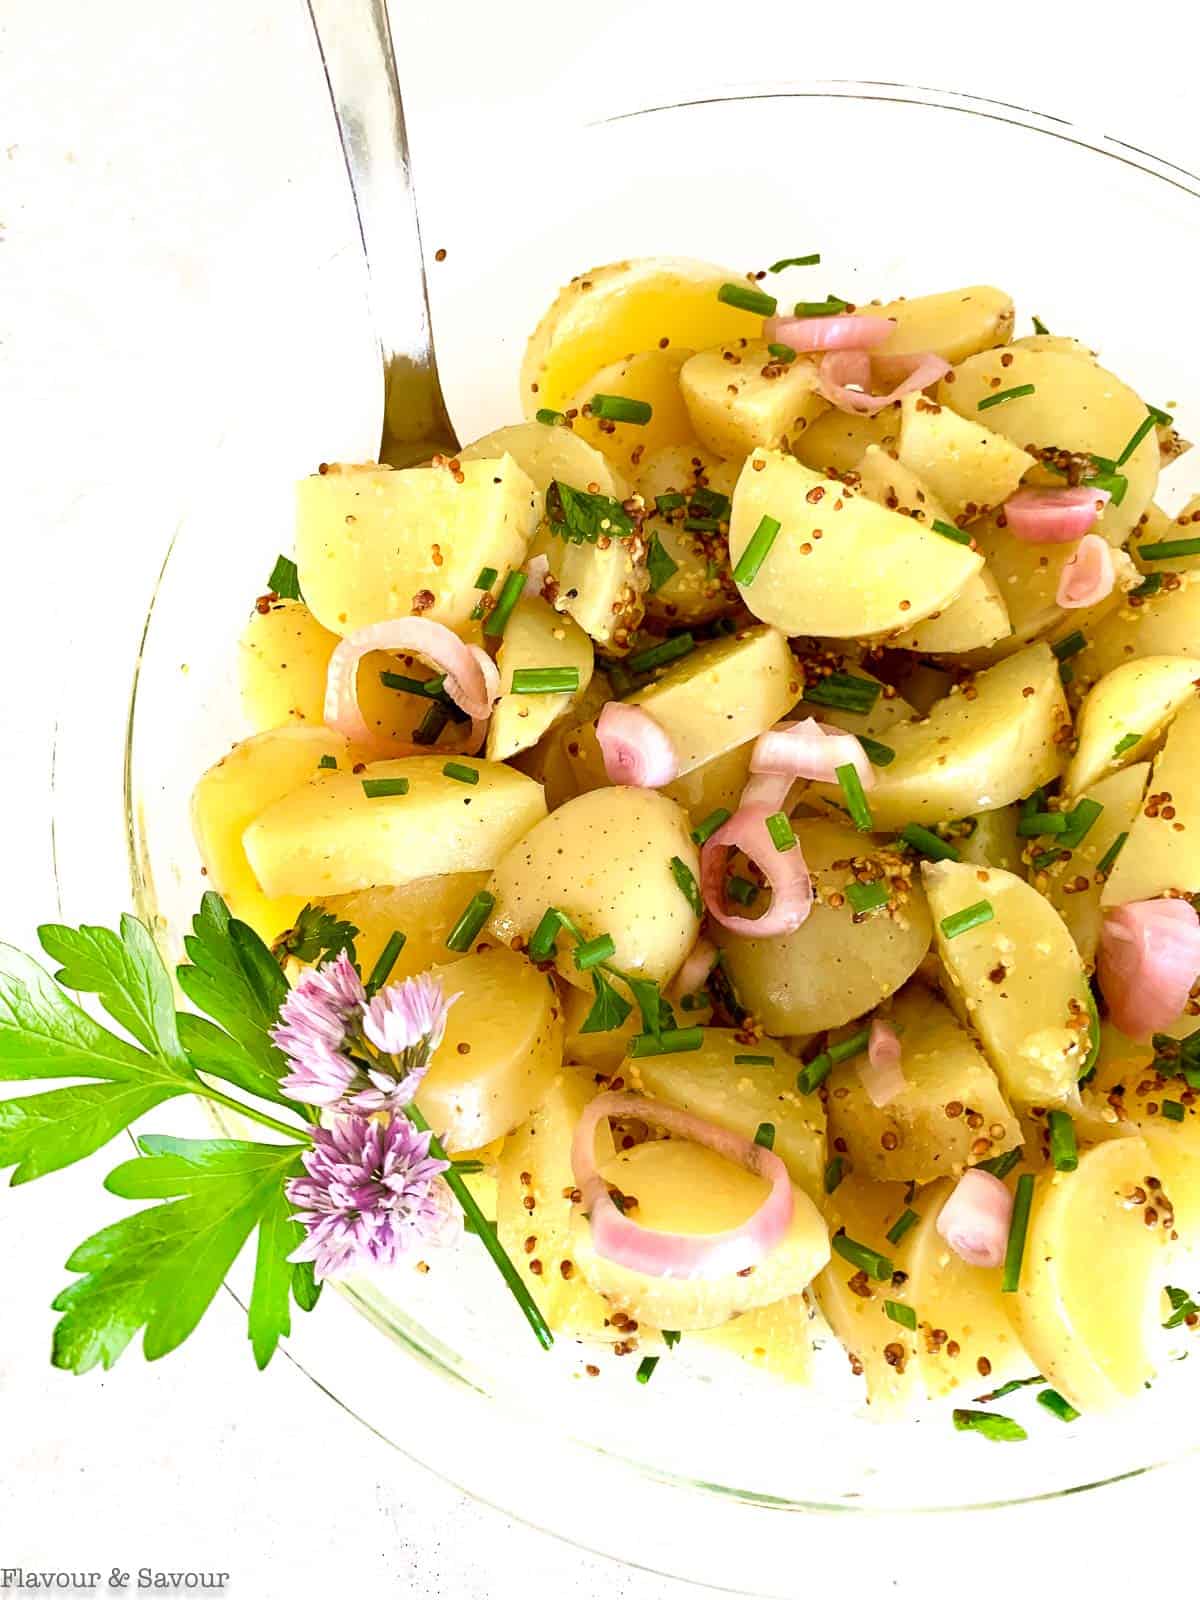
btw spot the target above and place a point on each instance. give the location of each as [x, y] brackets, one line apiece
[372, 1195]
[405, 1022]
[314, 1022]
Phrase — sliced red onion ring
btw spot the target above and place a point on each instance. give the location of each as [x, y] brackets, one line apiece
[1089, 576]
[1148, 962]
[537, 570]
[806, 334]
[976, 1218]
[1053, 516]
[691, 976]
[845, 378]
[472, 685]
[637, 750]
[810, 749]
[880, 1070]
[679, 1255]
[785, 871]
[769, 789]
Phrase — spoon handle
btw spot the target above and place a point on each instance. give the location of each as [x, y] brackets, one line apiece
[355, 42]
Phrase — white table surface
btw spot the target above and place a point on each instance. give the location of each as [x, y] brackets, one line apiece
[125, 129]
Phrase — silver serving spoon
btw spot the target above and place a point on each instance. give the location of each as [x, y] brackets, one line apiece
[355, 42]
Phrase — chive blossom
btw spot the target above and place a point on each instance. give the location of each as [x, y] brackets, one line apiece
[1018, 1228]
[756, 552]
[1017, 393]
[969, 917]
[462, 935]
[746, 299]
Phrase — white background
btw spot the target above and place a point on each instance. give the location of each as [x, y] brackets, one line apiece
[143, 148]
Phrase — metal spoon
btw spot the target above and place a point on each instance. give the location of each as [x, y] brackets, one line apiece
[355, 42]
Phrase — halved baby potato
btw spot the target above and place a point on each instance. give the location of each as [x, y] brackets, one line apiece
[501, 1049]
[283, 662]
[1087, 1304]
[1016, 977]
[602, 585]
[332, 836]
[1072, 884]
[954, 324]
[549, 451]
[832, 968]
[605, 859]
[713, 784]
[951, 1113]
[837, 439]
[1163, 848]
[424, 910]
[1057, 343]
[1162, 624]
[775, 1338]
[700, 588]
[968, 466]
[651, 376]
[739, 399]
[839, 566]
[535, 636]
[991, 839]
[681, 1187]
[1124, 715]
[1183, 525]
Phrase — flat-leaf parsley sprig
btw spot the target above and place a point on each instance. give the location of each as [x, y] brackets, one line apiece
[367, 1189]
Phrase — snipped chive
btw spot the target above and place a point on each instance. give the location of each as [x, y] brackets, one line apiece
[1149, 585]
[754, 1061]
[462, 935]
[990, 1424]
[708, 502]
[460, 772]
[1136, 438]
[907, 1219]
[671, 1337]
[1108, 859]
[831, 306]
[327, 764]
[1046, 858]
[1182, 1307]
[593, 952]
[783, 353]
[487, 577]
[855, 797]
[865, 898]
[429, 688]
[747, 299]
[510, 592]
[1017, 393]
[1008, 1388]
[380, 788]
[879, 755]
[780, 830]
[685, 878]
[1080, 821]
[660, 654]
[429, 729]
[756, 552]
[1039, 326]
[1001, 1166]
[550, 418]
[705, 829]
[844, 692]
[620, 408]
[927, 843]
[666, 503]
[1064, 1148]
[862, 1256]
[1054, 1402]
[1173, 1110]
[1164, 419]
[948, 531]
[1040, 822]
[969, 917]
[812, 1075]
[835, 1171]
[764, 1135]
[545, 680]
[1169, 549]
[1018, 1228]
[388, 956]
[1130, 739]
[741, 890]
[796, 261]
[897, 1311]
[701, 524]
[284, 581]
[1070, 646]
[646, 1368]
[670, 1042]
[541, 944]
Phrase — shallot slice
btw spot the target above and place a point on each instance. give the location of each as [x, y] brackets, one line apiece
[810, 749]
[976, 1218]
[786, 874]
[701, 959]
[1089, 575]
[468, 682]
[1148, 962]
[880, 1070]
[806, 334]
[637, 750]
[1053, 516]
[679, 1255]
[845, 378]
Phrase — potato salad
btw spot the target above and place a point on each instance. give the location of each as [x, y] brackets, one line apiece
[782, 748]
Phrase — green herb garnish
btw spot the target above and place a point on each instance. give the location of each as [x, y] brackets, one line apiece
[388, 956]
[969, 917]
[285, 580]
[831, 306]
[1108, 859]
[746, 299]
[704, 830]
[582, 518]
[688, 887]
[1169, 549]
[545, 680]
[660, 654]
[708, 502]
[1127, 743]
[756, 552]
[1008, 1388]
[1182, 1307]
[666, 503]
[487, 577]
[764, 1135]
[619, 408]
[670, 1042]
[317, 936]
[659, 565]
[1017, 393]
[780, 829]
[897, 1311]
[381, 788]
[948, 531]
[1054, 1402]
[551, 419]
[856, 800]
[1039, 326]
[862, 1256]
[609, 1009]
[1070, 646]
[835, 1171]
[1136, 438]
[466, 929]
[865, 898]
[844, 692]
[1064, 1149]
[812, 1075]
[594, 952]
[1041, 822]
[990, 1424]
[510, 592]
[796, 261]
[1000, 1166]
[782, 353]
[646, 1368]
[1019, 1227]
[907, 1219]
[1173, 1110]
[741, 890]
[879, 755]
[327, 764]
[929, 844]
[460, 772]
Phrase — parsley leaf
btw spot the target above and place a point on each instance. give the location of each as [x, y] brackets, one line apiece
[234, 979]
[318, 935]
[42, 1133]
[160, 1268]
[285, 579]
[126, 973]
[609, 1009]
[581, 518]
[659, 565]
[656, 1012]
[1182, 1307]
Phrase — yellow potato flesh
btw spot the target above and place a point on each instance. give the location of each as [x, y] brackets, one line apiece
[777, 1338]
[603, 315]
[714, 1085]
[602, 585]
[1073, 885]
[1163, 852]
[686, 1188]
[604, 858]
[651, 376]
[1033, 1016]
[328, 837]
[700, 588]
[245, 783]
[501, 1050]
[1076, 405]
[953, 324]
[1087, 1305]
[1124, 715]
[870, 571]
[536, 636]
[535, 1165]
[372, 544]
[283, 661]
[831, 969]
[914, 1136]
[602, 1049]
[968, 466]
[738, 398]
[545, 452]
[713, 784]
[1060, 344]
[974, 754]
[837, 439]
[1162, 624]
[965, 1338]
[993, 841]
[1181, 526]
[881, 1350]
[424, 910]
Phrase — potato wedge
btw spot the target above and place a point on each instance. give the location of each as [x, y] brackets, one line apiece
[1076, 405]
[1057, 343]
[1087, 1305]
[889, 710]
[1181, 526]
[424, 910]
[1018, 980]
[682, 1187]
[1162, 624]
[914, 1136]
[1072, 884]
[886, 480]
[602, 315]
[1163, 852]
[872, 569]
[714, 783]
[605, 858]
[652, 376]
[953, 324]
[1124, 716]
[881, 1350]
[372, 543]
[739, 399]
[248, 781]
[508, 1018]
[536, 636]
[975, 755]
[832, 968]
[837, 439]
[965, 1338]
[991, 839]
[965, 464]
[602, 586]
[546, 451]
[283, 661]
[700, 588]
[535, 1164]
[330, 837]
[739, 1087]
[775, 1338]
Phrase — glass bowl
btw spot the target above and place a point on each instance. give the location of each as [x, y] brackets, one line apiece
[903, 191]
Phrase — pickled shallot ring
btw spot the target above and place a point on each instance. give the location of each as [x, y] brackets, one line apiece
[807, 334]
[1149, 959]
[1053, 516]
[619, 1238]
[976, 1218]
[637, 750]
[702, 958]
[1089, 575]
[880, 1070]
[785, 871]
[845, 377]
[470, 683]
[810, 749]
